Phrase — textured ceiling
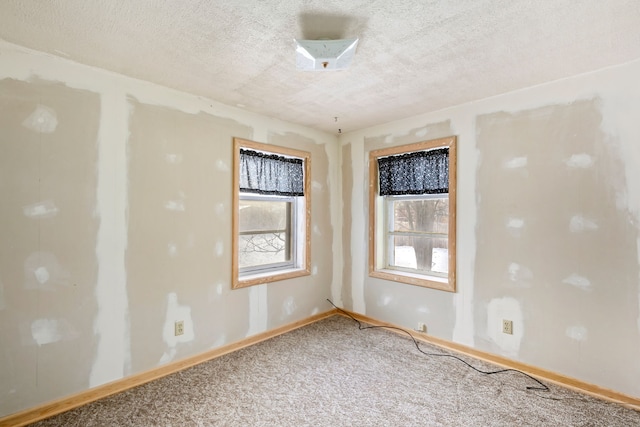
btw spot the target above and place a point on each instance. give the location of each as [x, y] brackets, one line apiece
[414, 56]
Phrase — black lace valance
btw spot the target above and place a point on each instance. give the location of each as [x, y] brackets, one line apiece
[418, 172]
[273, 174]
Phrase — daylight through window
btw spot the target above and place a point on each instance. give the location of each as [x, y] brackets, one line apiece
[412, 213]
[271, 220]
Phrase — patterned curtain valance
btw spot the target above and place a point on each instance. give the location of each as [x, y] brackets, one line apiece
[273, 174]
[419, 172]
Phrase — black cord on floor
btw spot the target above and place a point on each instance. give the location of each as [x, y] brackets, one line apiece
[540, 387]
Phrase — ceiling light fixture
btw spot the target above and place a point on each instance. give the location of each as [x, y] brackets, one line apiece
[319, 55]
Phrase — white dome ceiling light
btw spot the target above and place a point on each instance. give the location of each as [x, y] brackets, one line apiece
[319, 55]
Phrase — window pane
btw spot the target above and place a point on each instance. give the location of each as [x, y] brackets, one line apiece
[421, 253]
[265, 232]
[426, 215]
[263, 249]
[263, 215]
[413, 233]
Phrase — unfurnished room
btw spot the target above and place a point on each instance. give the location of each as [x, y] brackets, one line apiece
[323, 213]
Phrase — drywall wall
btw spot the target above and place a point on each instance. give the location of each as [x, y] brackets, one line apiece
[559, 215]
[115, 223]
[547, 227]
[47, 238]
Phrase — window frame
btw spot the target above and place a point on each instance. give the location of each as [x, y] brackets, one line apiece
[378, 235]
[301, 229]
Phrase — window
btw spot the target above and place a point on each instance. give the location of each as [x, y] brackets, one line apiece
[271, 213]
[412, 213]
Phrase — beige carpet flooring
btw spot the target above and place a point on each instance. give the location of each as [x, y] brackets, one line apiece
[330, 373]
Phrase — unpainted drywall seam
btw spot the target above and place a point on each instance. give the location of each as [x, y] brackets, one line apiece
[463, 330]
[358, 232]
[620, 121]
[111, 324]
[334, 153]
[258, 314]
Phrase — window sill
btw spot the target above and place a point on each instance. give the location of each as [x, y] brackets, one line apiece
[434, 282]
[267, 277]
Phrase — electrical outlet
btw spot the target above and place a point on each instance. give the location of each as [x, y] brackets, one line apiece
[179, 327]
[422, 327]
[507, 327]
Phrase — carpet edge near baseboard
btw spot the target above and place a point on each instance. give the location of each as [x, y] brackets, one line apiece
[539, 373]
[46, 410]
[64, 404]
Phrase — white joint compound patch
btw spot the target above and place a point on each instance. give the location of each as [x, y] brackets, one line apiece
[173, 158]
[47, 331]
[216, 291]
[515, 226]
[423, 309]
[422, 133]
[42, 271]
[111, 322]
[578, 281]
[515, 223]
[168, 356]
[219, 248]
[222, 166]
[577, 333]
[42, 275]
[289, 306]
[384, 300]
[316, 186]
[622, 199]
[42, 120]
[316, 230]
[314, 270]
[175, 205]
[172, 249]
[258, 310]
[62, 53]
[578, 223]
[358, 230]
[519, 275]
[220, 209]
[46, 209]
[3, 304]
[220, 341]
[515, 163]
[500, 309]
[579, 161]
